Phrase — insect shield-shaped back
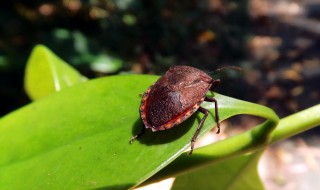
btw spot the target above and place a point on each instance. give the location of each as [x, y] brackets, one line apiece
[174, 97]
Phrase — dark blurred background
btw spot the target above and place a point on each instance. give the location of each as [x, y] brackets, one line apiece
[276, 43]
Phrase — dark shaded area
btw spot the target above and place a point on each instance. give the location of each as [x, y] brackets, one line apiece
[149, 36]
[279, 56]
[162, 137]
[115, 187]
[290, 70]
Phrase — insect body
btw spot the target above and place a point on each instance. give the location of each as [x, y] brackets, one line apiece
[174, 98]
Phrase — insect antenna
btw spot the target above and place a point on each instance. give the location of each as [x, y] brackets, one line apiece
[236, 68]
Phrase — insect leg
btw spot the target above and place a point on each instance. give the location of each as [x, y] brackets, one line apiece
[209, 99]
[143, 130]
[194, 138]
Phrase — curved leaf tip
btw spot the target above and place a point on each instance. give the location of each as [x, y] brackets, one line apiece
[46, 73]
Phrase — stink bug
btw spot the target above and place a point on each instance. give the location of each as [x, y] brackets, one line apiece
[174, 98]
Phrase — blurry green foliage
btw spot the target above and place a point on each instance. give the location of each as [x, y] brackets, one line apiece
[127, 28]
[156, 34]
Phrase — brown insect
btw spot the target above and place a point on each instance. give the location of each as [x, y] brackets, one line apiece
[172, 99]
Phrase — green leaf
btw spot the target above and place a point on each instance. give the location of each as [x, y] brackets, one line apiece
[47, 73]
[236, 173]
[78, 138]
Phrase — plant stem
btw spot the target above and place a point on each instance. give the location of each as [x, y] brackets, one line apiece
[296, 123]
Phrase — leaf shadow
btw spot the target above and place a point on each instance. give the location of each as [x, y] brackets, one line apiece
[115, 187]
[162, 137]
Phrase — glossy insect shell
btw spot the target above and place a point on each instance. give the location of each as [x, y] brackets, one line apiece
[174, 97]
